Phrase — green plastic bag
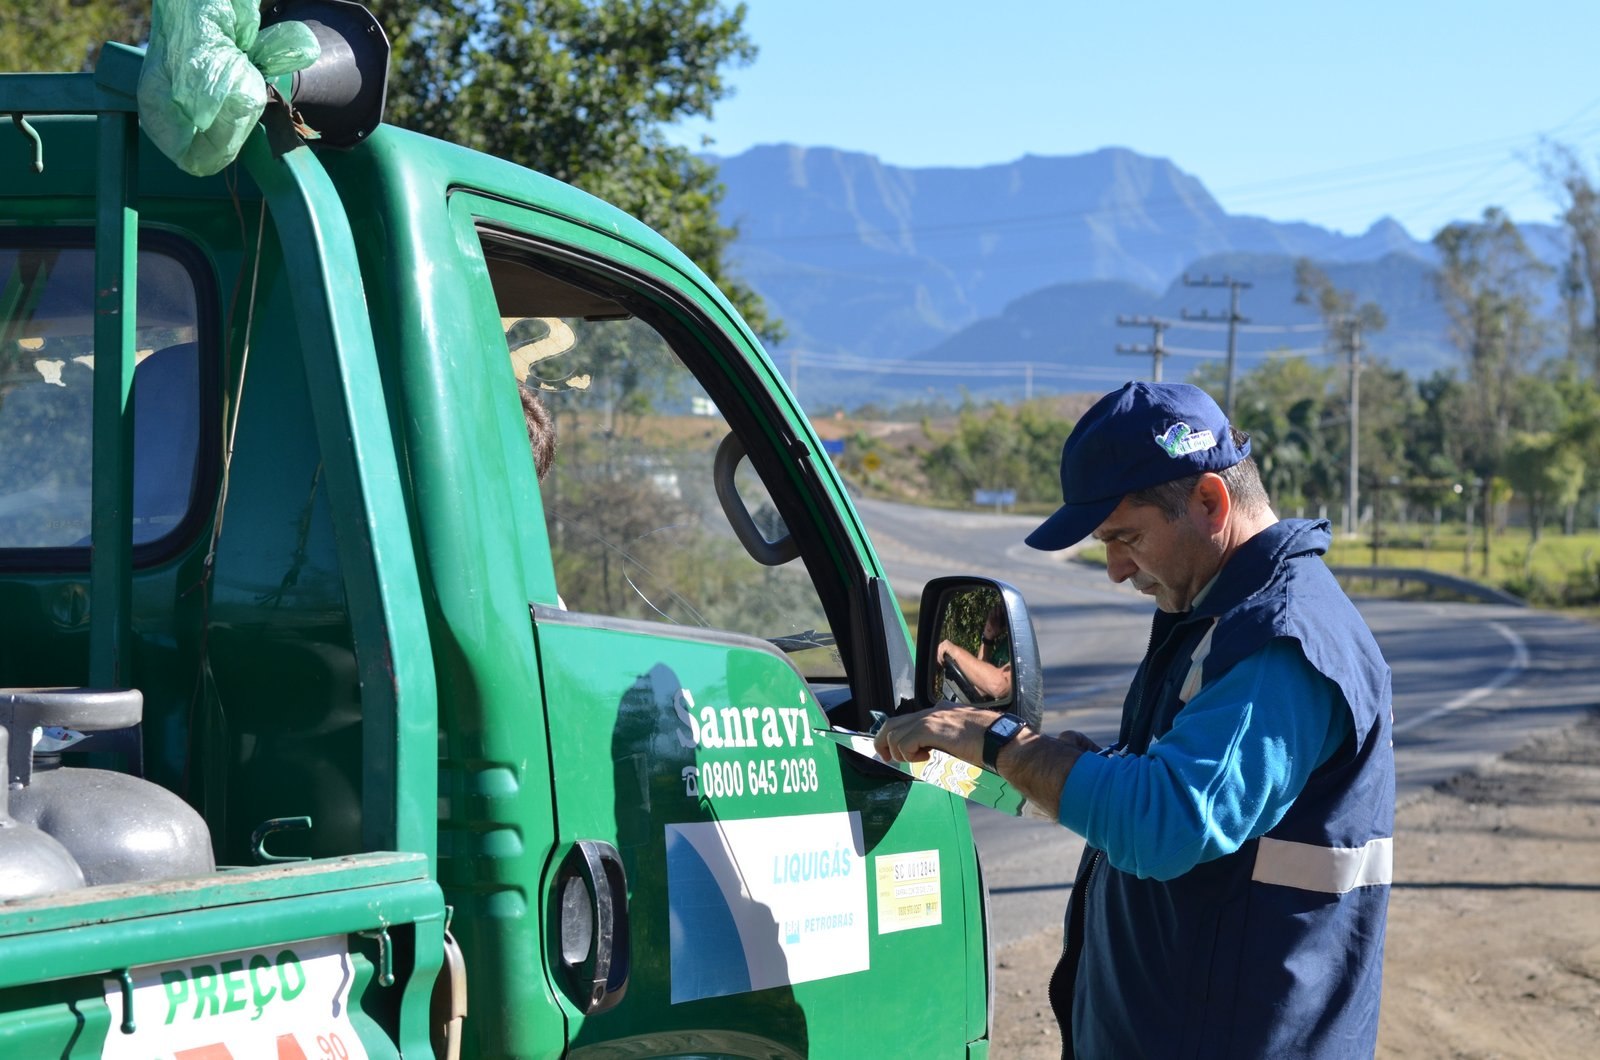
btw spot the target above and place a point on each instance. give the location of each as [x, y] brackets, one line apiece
[203, 87]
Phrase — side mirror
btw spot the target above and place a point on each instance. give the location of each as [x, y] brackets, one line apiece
[976, 646]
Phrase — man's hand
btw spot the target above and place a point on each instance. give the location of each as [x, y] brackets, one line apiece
[954, 730]
[1034, 764]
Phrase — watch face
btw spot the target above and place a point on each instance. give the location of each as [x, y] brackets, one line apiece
[1006, 726]
[999, 733]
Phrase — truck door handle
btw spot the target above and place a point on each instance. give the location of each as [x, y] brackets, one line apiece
[592, 896]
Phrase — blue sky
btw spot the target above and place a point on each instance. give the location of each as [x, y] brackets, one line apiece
[1335, 112]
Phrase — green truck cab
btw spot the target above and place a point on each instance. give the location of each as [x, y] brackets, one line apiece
[415, 754]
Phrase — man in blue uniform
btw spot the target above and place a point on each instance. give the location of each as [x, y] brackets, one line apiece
[1233, 893]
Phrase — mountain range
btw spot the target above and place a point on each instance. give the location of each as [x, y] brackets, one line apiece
[890, 280]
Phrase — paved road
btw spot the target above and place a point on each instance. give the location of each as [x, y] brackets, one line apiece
[1471, 680]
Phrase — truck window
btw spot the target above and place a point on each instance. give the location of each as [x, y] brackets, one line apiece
[47, 387]
[635, 526]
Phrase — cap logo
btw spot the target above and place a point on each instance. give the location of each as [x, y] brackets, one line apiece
[1181, 439]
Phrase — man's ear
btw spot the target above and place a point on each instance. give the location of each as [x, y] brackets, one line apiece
[1211, 502]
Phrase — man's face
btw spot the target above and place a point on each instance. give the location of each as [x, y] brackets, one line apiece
[1171, 561]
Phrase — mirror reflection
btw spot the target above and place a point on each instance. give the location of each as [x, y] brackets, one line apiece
[973, 657]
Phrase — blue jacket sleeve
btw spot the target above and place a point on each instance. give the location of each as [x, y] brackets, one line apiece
[1236, 757]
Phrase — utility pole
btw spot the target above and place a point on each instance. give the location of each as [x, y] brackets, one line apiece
[1156, 349]
[1234, 320]
[1350, 339]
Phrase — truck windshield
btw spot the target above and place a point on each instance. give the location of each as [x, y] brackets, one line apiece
[47, 360]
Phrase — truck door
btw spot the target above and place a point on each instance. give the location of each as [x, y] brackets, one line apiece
[716, 883]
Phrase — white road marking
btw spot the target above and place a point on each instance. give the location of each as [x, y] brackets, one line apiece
[1519, 662]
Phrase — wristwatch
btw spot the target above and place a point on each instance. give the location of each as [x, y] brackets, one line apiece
[1000, 732]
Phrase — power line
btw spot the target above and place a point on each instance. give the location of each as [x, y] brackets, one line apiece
[1201, 324]
[1213, 355]
[846, 362]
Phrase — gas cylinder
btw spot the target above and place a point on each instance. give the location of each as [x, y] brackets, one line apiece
[118, 828]
[31, 863]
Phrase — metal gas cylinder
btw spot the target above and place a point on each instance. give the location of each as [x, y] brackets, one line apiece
[31, 863]
[118, 828]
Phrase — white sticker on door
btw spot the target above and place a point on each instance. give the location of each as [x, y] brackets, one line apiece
[765, 902]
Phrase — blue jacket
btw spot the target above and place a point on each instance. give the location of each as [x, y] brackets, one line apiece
[1274, 950]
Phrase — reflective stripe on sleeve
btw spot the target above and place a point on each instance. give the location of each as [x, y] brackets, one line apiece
[1331, 870]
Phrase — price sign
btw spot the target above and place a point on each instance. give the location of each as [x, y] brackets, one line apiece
[280, 1003]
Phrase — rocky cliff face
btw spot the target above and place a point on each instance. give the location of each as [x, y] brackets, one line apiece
[1032, 262]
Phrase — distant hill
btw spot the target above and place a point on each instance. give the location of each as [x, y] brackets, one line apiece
[1032, 261]
[1075, 325]
[833, 239]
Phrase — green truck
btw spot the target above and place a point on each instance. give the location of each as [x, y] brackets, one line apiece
[332, 730]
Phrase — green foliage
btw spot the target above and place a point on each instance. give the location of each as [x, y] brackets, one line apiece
[967, 613]
[1580, 280]
[1292, 410]
[998, 448]
[581, 90]
[1488, 281]
[1556, 571]
[1338, 308]
[1547, 470]
[39, 37]
[636, 533]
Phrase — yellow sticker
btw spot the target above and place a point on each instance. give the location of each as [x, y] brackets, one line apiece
[951, 774]
[908, 890]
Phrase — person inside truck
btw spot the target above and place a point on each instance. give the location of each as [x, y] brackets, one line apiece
[1233, 893]
[989, 669]
[541, 429]
[541, 439]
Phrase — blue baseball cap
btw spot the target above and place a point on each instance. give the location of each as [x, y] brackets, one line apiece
[1132, 439]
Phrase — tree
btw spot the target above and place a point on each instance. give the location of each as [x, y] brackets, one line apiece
[1574, 292]
[1286, 406]
[1548, 470]
[1345, 322]
[1488, 282]
[67, 36]
[1389, 407]
[1436, 442]
[1580, 213]
[998, 448]
[1579, 430]
[582, 90]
